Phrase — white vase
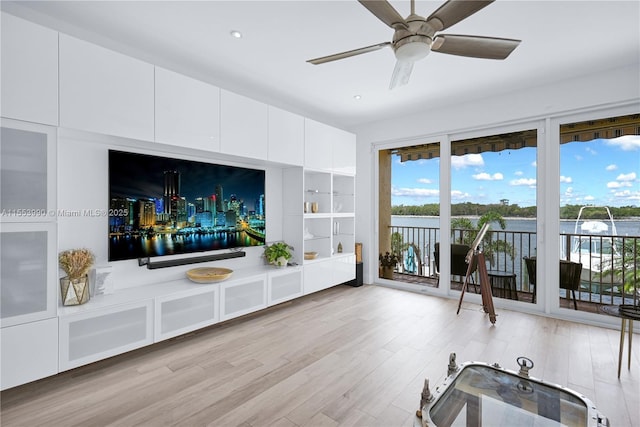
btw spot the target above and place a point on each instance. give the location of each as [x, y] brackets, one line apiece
[280, 262]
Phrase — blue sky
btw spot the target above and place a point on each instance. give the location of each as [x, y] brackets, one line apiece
[600, 172]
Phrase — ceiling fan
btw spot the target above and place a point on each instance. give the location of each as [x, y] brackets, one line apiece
[415, 36]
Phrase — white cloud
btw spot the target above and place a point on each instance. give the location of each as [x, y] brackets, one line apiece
[628, 195]
[578, 158]
[591, 151]
[461, 162]
[589, 198]
[534, 164]
[568, 191]
[523, 182]
[518, 173]
[487, 177]
[626, 177]
[626, 142]
[458, 195]
[618, 184]
[612, 167]
[414, 192]
[566, 179]
[425, 181]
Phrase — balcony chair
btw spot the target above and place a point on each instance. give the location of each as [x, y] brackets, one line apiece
[530, 262]
[570, 278]
[458, 263]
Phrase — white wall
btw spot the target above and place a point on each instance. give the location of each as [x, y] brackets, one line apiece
[601, 91]
[83, 184]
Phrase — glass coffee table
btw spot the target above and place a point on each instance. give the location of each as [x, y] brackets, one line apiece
[479, 394]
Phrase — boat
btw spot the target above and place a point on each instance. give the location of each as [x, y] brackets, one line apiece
[593, 245]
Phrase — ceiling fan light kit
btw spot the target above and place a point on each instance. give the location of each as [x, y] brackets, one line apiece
[413, 48]
[415, 36]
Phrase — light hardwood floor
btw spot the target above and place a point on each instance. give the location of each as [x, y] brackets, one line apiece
[343, 357]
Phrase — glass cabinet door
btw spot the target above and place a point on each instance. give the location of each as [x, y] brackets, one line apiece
[28, 244]
[27, 273]
[27, 172]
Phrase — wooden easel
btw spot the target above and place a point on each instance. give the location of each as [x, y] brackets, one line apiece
[485, 286]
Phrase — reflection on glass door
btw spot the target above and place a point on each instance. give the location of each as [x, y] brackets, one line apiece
[599, 211]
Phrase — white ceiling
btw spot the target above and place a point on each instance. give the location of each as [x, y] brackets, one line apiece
[560, 40]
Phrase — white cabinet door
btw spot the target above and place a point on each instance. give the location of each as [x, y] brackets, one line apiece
[344, 269]
[187, 111]
[27, 172]
[242, 297]
[344, 152]
[284, 284]
[286, 137]
[188, 311]
[318, 145]
[29, 352]
[92, 335]
[28, 273]
[29, 71]
[318, 276]
[328, 148]
[104, 91]
[243, 126]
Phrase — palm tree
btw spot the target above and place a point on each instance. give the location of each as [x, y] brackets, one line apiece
[468, 232]
[626, 267]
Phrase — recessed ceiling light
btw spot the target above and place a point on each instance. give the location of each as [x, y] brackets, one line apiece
[236, 34]
[357, 97]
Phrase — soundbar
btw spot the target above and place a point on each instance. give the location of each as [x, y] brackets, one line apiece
[152, 265]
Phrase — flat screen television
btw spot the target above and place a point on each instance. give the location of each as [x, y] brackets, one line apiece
[164, 206]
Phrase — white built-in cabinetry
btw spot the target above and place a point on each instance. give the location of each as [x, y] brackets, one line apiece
[328, 188]
[28, 252]
[243, 296]
[104, 91]
[185, 311]
[243, 126]
[187, 111]
[29, 352]
[29, 71]
[283, 284]
[135, 317]
[93, 334]
[330, 231]
[286, 137]
[329, 149]
[51, 78]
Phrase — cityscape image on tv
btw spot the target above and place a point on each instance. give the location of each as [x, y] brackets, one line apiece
[163, 206]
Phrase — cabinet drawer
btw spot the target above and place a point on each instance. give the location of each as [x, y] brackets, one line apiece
[94, 335]
[285, 285]
[177, 315]
[243, 297]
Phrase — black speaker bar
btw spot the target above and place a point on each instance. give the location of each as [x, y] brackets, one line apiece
[185, 261]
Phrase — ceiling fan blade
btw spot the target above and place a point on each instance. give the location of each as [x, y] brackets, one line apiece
[474, 46]
[383, 10]
[454, 11]
[401, 73]
[348, 53]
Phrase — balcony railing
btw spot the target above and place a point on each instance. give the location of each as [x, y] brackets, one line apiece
[611, 264]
